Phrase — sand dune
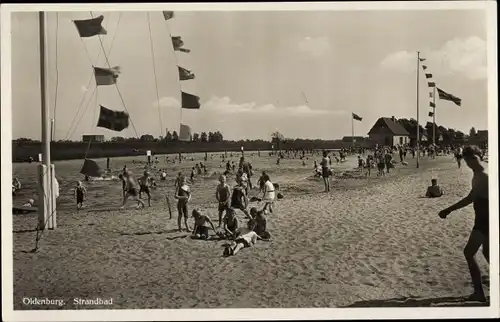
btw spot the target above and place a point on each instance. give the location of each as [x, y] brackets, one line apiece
[368, 240]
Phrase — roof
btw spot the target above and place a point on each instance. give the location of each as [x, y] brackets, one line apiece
[394, 126]
[349, 138]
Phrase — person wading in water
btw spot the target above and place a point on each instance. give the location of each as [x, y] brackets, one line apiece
[478, 196]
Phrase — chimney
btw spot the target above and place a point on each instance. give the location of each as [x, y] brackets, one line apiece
[393, 119]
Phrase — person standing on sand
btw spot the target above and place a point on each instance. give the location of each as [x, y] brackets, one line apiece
[131, 190]
[479, 197]
[183, 196]
[223, 196]
[325, 171]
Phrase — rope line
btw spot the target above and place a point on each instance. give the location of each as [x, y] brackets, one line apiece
[116, 84]
[85, 111]
[154, 72]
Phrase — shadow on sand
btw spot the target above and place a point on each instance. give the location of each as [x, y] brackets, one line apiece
[419, 302]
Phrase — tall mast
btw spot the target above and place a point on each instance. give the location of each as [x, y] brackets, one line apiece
[418, 118]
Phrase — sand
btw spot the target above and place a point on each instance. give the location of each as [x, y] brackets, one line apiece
[369, 242]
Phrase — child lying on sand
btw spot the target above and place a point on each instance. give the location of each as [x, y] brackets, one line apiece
[246, 239]
[434, 191]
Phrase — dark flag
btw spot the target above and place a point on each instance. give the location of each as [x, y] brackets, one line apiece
[449, 97]
[106, 76]
[91, 168]
[431, 114]
[190, 101]
[185, 74]
[90, 27]
[431, 84]
[356, 117]
[178, 44]
[432, 104]
[428, 75]
[168, 15]
[422, 59]
[113, 120]
[424, 67]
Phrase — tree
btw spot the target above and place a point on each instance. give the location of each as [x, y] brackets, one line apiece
[472, 132]
[210, 137]
[175, 136]
[276, 139]
[168, 137]
[217, 137]
[147, 138]
[204, 137]
[117, 139]
[196, 137]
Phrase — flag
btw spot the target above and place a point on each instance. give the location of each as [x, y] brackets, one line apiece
[113, 120]
[422, 59]
[106, 76]
[168, 15]
[356, 117]
[178, 43]
[424, 67]
[91, 168]
[449, 97]
[431, 84]
[185, 133]
[90, 27]
[428, 75]
[190, 101]
[185, 74]
[430, 94]
[432, 104]
[431, 114]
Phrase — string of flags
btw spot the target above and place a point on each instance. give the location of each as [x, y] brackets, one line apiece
[109, 119]
[188, 101]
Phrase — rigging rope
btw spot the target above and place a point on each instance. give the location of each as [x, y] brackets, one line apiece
[116, 84]
[57, 77]
[154, 72]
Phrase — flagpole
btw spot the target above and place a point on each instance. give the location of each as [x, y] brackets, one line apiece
[352, 133]
[434, 117]
[45, 207]
[418, 116]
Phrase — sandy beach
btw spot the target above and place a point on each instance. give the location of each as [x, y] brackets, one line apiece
[368, 242]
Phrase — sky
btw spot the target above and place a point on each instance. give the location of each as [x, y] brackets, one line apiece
[301, 73]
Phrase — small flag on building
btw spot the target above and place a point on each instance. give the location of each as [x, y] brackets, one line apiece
[449, 97]
[185, 133]
[106, 76]
[190, 101]
[356, 117]
[168, 15]
[113, 120]
[90, 27]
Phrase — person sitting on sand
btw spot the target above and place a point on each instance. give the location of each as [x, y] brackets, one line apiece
[434, 190]
[200, 230]
[80, 194]
[30, 203]
[131, 190]
[163, 175]
[145, 184]
[246, 239]
[183, 196]
[269, 193]
[16, 185]
[239, 198]
[479, 197]
[231, 225]
[260, 222]
[223, 196]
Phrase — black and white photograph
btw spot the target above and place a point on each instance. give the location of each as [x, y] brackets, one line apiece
[168, 161]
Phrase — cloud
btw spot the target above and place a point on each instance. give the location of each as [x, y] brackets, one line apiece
[458, 56]
[226, 106]
[316, 47]
[167, 102]
[83, 88]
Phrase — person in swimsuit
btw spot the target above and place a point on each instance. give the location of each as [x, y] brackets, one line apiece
[223, 196]
[239, 198]
[145, 183]
[459, 156]
[479, 197]
[434, 190]
[183, 196]
[247, 238]
[260, 222]
[269, 193]
[80, 193]
[325, 170]
[131, 190]
[231, 225]
[200, 230]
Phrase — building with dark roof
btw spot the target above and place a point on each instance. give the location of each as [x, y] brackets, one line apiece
[387, 131]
